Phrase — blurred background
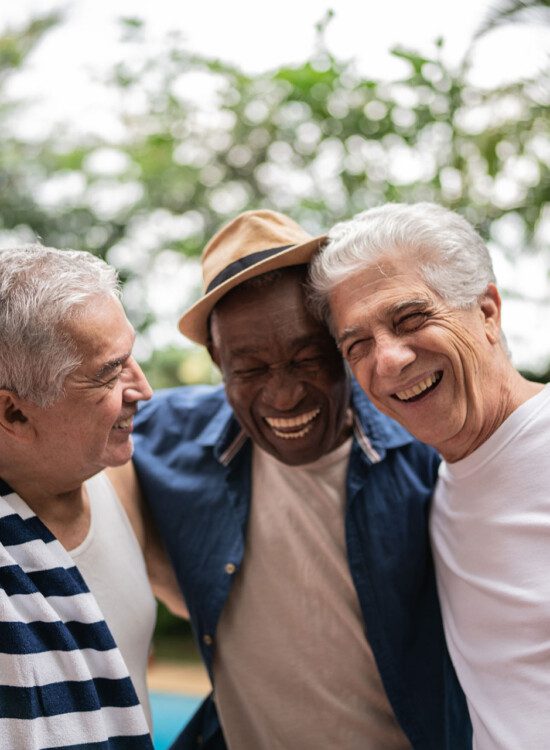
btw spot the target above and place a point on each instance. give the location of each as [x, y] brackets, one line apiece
[135, 129]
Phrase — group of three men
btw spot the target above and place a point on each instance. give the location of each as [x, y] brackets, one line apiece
[294, 513]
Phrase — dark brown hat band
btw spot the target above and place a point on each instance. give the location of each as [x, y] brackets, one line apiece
[242, 264]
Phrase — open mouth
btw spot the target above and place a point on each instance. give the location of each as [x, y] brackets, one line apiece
[291, 428]
[124, 424]
[419, 390]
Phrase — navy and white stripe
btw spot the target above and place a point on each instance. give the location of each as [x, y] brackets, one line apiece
[63, 682]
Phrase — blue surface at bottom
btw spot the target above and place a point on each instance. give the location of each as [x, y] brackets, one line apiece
[171, 712]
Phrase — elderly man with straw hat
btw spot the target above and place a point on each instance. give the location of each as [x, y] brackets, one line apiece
[295, 516]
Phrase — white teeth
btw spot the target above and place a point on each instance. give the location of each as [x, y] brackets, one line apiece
[290, 422]
[293, 435]
[417, 388]
[124, 424]
[303, 421]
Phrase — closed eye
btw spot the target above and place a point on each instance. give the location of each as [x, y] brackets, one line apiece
[112, 381]
[411, 322]
[309, 361]
[250, 372]
[356, 350]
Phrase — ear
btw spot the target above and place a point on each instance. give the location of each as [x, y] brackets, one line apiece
[213, 352]
[490, 305]
[213, 343]
[14, 421]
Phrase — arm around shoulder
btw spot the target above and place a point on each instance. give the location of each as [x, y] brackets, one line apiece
[159, 569]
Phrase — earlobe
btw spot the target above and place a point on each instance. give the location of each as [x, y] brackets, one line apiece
[490, 307]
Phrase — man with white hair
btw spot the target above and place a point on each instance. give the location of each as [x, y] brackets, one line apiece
[410, 294]
[76, 609]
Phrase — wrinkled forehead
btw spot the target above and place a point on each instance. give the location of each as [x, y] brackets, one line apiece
[401, 276]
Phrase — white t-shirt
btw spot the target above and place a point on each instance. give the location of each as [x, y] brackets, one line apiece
[111, 562]
[293, 668]
[490, 528]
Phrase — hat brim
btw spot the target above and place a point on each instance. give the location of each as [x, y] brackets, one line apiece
[193, 322]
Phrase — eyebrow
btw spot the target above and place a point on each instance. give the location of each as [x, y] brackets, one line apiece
[111, 365]
[394, 309]
[400, 306]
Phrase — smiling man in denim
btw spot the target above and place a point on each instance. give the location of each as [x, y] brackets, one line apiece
[295, 515]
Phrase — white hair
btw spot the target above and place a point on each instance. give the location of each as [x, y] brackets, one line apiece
[439, 244]
[41, 290]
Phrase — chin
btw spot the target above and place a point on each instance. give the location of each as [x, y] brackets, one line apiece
[120, 457]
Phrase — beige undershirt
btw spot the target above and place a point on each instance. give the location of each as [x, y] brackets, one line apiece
[293, 667]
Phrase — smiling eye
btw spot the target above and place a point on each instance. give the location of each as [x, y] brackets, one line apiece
[308, 362]
[250, 372]
[411, 322]
[356, 350]
[113, 380]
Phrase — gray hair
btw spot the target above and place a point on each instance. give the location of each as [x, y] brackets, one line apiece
[441, 245]
[41, 290]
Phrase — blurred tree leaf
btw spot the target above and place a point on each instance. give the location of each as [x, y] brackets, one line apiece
[201, 141]
[515, 11]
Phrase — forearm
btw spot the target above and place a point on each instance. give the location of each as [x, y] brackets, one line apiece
[159, 569]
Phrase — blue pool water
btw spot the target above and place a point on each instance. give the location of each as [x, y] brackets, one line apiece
[170, 714]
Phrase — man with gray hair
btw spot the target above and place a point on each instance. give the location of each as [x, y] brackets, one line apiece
[410, 294]
[76, 609]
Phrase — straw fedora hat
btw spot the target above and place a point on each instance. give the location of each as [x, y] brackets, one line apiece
[253, 243]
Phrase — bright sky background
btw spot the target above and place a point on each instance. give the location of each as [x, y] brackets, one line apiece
[67, 68]
[258, 36]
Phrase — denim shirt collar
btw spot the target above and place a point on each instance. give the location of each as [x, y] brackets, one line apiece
[373, 431]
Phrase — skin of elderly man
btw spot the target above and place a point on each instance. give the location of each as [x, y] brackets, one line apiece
[72, 574]
[416, 313]
[295, 516]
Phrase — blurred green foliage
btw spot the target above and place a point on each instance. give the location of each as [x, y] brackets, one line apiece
[171, 366]
[200, 141]
[173, 639]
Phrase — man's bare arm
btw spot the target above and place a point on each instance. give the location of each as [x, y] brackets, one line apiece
[159, 569]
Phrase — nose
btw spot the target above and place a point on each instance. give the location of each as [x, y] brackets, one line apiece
[137, 386]
[283, 390]
[392, 355]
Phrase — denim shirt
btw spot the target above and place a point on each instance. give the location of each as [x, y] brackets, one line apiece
[194, 465]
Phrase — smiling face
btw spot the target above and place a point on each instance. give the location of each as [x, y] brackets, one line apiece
[90, 427]
[283, 374]
[431, 367]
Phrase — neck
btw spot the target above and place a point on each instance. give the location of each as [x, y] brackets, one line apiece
[64, 510]
[506, 395]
